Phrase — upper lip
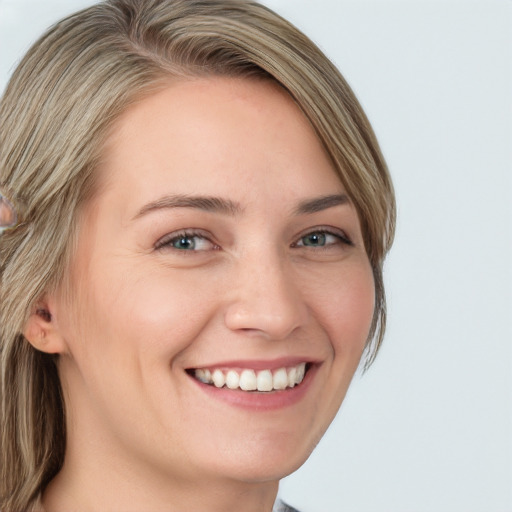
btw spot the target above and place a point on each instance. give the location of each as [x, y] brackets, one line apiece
[259, 364]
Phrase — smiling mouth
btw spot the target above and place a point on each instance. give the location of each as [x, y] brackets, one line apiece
[252, 380]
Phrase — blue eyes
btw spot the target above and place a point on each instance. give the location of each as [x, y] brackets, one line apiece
[195, 242]
[187, 242]
[323, 239]
[315, 240]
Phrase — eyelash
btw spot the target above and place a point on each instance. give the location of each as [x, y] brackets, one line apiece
[167, 241]
[339, 235]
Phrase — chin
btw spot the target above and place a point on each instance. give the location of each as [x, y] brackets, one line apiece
[268, 457]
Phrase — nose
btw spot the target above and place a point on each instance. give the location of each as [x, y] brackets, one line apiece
[265, 299]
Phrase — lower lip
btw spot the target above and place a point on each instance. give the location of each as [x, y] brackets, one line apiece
[259, 400]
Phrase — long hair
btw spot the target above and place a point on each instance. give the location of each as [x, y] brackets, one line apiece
[56, 112]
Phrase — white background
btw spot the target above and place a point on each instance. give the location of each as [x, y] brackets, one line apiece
[429, 427]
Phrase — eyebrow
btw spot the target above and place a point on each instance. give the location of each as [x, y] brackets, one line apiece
[321, 203]
[228, 207]
[205, 203]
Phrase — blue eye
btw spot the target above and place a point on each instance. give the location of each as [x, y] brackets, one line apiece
[314, 240]
[323, 239]
[186, 242]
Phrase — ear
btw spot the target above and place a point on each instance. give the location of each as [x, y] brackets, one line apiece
[41, 330]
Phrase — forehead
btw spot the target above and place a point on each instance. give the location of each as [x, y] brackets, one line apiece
[217, 136]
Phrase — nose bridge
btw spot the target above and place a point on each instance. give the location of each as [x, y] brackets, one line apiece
[265, 297]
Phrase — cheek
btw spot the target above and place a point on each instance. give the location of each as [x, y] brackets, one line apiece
[346, 307]
[127, 327]
[146, 312]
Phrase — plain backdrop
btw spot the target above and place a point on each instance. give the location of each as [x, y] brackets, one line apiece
[429, 427]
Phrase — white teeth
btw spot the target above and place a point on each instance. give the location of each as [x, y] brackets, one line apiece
[249, 380]
[204, 376]
[218, 378]
[264, 380]
[232, 379]
[280, 379]
[292, 377]
[301, 370]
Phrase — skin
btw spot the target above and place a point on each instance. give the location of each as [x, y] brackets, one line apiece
[7, 214]
[142, 435]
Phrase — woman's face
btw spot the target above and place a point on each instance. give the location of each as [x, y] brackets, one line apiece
[220, 247]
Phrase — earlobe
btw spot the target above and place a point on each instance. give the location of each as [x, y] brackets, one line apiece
[41, 331]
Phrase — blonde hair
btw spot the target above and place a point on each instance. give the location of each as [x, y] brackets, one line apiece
[57, 109]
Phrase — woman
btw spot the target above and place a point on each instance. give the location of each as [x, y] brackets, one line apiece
[196, 269]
